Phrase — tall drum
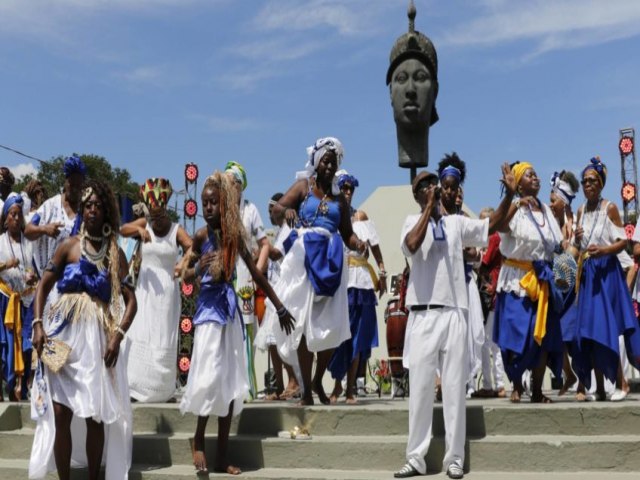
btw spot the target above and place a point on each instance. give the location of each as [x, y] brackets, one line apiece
[395, 317]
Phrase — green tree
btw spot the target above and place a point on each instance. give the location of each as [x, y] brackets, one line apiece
[51, 175]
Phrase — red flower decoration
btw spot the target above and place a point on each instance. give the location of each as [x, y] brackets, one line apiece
[184, 364]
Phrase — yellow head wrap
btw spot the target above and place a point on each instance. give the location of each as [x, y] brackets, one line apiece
[518, 170]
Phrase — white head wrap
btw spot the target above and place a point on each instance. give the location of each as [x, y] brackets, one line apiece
[316, 152]
[562, 189]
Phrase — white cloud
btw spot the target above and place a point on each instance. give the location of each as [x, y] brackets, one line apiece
[276, 49]
[151, 75]
[22, 169]
[346, 17]
[225, 124]
[550, 25]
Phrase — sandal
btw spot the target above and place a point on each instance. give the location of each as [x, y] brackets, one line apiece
[541, 398]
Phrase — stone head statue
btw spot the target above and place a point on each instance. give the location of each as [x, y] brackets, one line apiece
[413, 84]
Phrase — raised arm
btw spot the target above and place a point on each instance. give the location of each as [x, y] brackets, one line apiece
[137, 228]
[287, 206]
[500, 218]
[413, 240]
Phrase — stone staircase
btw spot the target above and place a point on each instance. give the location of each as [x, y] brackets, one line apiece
[368, 441]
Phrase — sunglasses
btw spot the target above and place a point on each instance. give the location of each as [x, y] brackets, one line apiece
[589, 181]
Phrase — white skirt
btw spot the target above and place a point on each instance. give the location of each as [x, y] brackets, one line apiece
[90, 390]
[218, 372]
[324, 321]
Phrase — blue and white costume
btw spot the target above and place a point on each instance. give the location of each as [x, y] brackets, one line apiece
[218, 373]
[81, 319]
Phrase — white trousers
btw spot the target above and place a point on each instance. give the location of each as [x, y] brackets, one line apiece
[436, 338]
[492, 368]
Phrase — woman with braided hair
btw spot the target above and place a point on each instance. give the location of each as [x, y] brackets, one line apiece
[218, 382]
[154, 334]
[89, 271]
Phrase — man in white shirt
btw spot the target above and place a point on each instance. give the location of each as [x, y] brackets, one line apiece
[436, 330]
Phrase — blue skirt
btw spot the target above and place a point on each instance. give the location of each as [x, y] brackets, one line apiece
[364, 332]
[7, 353]
[604, 311]
[514, 322]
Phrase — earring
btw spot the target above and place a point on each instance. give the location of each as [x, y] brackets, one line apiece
[106, 230]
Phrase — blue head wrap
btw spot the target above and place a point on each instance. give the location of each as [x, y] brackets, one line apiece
[72, 165]
[451, 171]
[599, 167]
[12, 200]
[345, 178]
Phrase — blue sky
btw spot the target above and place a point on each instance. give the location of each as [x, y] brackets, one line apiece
[154, 84]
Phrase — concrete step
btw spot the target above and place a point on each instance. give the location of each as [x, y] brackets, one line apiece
[17, 470]
[384, 417]
[380, 452]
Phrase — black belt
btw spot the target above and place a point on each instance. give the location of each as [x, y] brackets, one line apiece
[422, 308]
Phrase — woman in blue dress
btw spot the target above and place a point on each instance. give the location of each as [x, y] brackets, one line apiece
[352, 355]
[89, 316]
[604, 308]
[314, 277]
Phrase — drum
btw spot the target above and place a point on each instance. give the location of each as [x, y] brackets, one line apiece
[396, 319]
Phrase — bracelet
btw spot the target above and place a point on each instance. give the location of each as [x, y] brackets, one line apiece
[120, 331]
[382, 274]
[36, 320]
[281, 312]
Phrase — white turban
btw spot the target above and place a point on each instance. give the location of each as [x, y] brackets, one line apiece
[315, 152]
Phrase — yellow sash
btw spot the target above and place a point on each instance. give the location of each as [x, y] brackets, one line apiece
[535, 290]
[362, 262]
[13, 321]
[583, 258]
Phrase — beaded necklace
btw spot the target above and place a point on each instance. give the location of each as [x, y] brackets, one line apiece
[96, 258]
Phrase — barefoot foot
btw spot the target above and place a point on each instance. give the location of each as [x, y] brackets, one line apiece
[228, 469]
[335, 395]
[319, 390]
[199, 459]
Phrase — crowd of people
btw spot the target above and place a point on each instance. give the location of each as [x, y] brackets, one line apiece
[85, 331]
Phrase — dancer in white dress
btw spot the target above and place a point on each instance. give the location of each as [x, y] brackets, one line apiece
[217, 383]
[154, 334]
[89, 317]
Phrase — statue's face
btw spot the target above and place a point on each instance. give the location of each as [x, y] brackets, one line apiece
[412, 94]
